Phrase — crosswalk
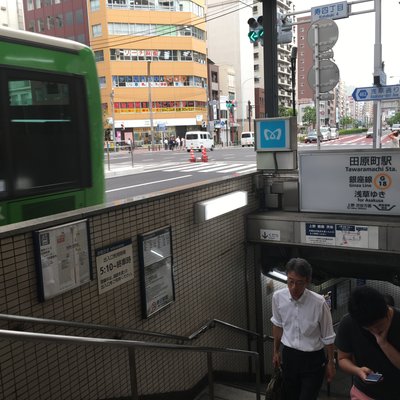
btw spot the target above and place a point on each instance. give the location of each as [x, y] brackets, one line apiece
[217, 167]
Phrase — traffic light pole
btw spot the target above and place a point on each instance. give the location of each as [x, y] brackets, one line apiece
[270, 58]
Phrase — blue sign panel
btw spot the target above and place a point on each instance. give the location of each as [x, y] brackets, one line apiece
[273, 134]
[377, 93]
[330, 11]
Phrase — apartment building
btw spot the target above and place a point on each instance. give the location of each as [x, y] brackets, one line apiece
[151, 60]
[12, 14]
[283, 64]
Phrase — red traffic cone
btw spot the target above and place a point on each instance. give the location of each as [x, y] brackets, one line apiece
[192, 157]
[204, 156]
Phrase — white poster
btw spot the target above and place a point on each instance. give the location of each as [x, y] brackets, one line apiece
[156, 262]
[362, 182]
[63, 261]
[114, 265]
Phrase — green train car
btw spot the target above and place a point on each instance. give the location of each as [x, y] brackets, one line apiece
[51, 134]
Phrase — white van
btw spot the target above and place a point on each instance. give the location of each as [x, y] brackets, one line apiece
[334, 134]
[325, 133]
[247, 139]
[197, 140]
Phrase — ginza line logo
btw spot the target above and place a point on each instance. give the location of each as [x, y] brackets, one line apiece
[272, 135]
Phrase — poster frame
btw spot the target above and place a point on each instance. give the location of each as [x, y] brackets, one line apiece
[44, 292]
[144, 264]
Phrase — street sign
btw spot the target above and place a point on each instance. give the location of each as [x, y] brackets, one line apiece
[328, 33]
[273, 134]
[376, 93]
[330, 11]
[328, 76]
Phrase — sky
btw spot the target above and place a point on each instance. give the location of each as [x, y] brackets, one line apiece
[354, 50]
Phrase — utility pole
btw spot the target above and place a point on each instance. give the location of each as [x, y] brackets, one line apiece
[113, 117]
[270, 58]
[293, 57]
[250, 109]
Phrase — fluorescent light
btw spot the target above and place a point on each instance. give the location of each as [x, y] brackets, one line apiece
[279, 276]
[220, 205]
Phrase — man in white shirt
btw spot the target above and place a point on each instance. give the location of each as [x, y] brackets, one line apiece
[302, 323]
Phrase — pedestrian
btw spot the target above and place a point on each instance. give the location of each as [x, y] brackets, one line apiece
[368, 341]
[177, 142]
[171, 143]
[182, 143]
[165, 144]
[130, 145]
[302, 323]
[394, 136]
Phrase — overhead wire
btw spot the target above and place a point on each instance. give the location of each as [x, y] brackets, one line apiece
[128, 39]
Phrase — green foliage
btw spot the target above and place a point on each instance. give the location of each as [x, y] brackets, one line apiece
[285, 111]
[347, 121]
[394, 120]
[352, 130]
[309, 116]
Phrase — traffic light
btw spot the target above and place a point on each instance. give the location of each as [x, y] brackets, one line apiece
[256, 30]
[284, 29]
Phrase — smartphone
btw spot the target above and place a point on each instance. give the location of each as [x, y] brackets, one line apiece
[374, 377]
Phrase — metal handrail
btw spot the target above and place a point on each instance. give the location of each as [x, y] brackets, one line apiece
[131, 345]
[71, 324]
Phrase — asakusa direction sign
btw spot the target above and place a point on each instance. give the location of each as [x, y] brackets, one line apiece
[377, 93]
[362, 182]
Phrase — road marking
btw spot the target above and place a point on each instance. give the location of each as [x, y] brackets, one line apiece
[236, 169]
[147, 183]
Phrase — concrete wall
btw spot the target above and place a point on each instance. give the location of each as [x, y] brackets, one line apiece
[212, 265]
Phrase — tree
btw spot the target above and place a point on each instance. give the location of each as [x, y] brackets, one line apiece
[346, 121]
[285, 111]
[309, 116]
[394, 120]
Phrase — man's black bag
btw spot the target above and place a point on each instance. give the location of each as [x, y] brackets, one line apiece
[274, 389]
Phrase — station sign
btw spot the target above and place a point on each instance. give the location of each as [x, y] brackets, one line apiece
[273, 134]
[363, 182]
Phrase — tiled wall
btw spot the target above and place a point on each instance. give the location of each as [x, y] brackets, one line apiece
[211, 266]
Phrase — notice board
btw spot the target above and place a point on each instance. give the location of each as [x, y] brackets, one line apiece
[62, 258]
[156, 271]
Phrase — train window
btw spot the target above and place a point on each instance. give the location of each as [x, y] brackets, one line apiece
[44, 134]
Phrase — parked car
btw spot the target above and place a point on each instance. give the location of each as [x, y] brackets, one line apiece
[311, 137]
[370, 133]
[333, 134]
[325, 132]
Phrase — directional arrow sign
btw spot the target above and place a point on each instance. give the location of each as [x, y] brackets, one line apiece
[377, 93]
[253, 36]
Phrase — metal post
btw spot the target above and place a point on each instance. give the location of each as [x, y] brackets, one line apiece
[377, 72]
[250, 109]
[113, 117]
[316, 66]
[210, 376]
[293, 57]
[270, 59]
[150, 105]
[133, 375]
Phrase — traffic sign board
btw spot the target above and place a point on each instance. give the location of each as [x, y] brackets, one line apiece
[330, 11]
[328, 76]
[377, 93]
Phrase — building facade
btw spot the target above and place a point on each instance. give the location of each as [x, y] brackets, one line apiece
[151, 60]
[12, 14]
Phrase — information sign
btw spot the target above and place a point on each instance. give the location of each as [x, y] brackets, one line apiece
[376, 93]
[330, 11]
[362, 182]
[340, 235]
[114, 265]
[62, 258]
[272, 134]
[156, 268]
